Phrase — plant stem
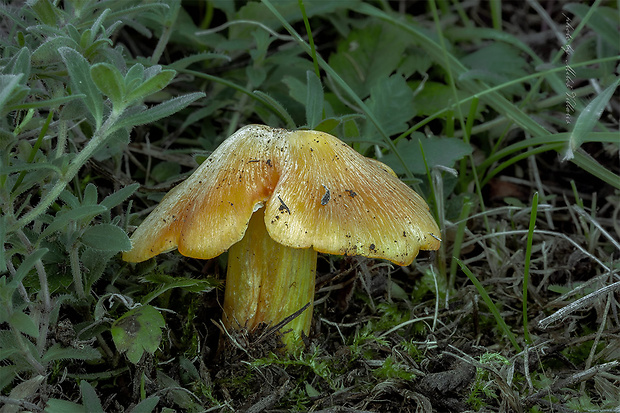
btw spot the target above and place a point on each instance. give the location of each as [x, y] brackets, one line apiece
[44, 323]
[62, 138]
[44, 293]
[168, 28]
[526, 271]
[81, 158]
[74, 260]
[21, 403]
[34, 363]
[310, 39]
[267, 282]
[35, 149]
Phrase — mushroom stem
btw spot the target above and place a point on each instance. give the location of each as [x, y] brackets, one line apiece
[267, 282]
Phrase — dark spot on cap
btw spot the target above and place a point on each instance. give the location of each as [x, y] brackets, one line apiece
[326, 197]
[283, 208]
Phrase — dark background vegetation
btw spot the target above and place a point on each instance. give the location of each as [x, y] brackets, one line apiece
[503, 114]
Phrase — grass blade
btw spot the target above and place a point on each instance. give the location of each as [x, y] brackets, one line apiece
[587, 119]
[338, 80]
[526, 271]
[494, 310]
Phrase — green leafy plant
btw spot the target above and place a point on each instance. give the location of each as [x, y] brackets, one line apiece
[484, 387]
[137, 331]
[391, 370]
[68, 99]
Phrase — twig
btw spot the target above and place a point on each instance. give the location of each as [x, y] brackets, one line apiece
[569, 381]
[248, 22]
[598, 226]
[269, 401]
[21, 403]
[576, 305]
[282, 323]
[597, 339]
[539, 232]
[406, 323]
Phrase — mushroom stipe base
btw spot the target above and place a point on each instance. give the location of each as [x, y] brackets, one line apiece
[267, 282]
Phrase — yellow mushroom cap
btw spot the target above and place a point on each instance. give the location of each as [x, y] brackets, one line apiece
[317, 193]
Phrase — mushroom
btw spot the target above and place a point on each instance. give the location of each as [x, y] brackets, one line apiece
[274, 198]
